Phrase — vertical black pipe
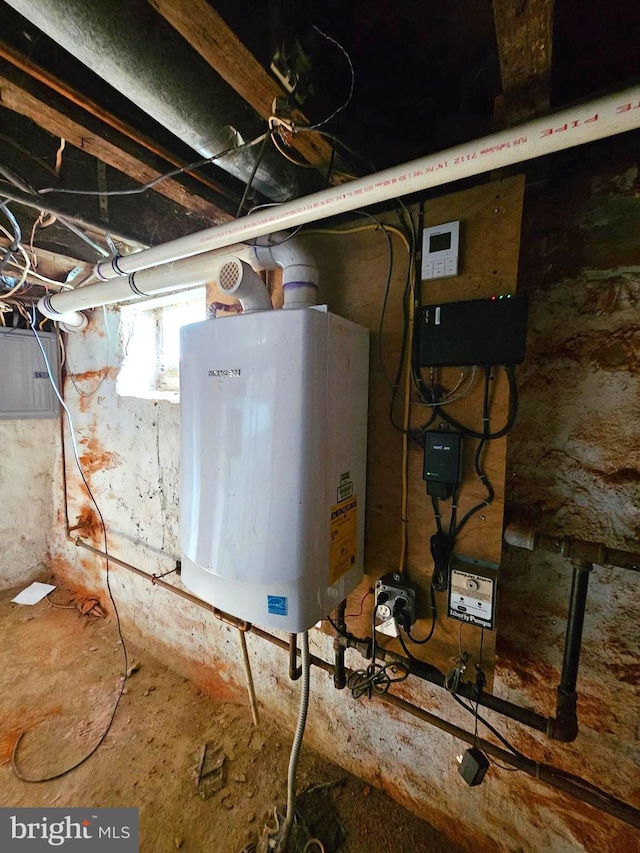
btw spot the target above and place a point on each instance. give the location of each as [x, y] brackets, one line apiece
[566, 722]
[339, 675]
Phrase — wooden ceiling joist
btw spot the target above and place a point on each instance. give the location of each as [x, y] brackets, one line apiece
[117, 151]
[524, 31]
[207, 32]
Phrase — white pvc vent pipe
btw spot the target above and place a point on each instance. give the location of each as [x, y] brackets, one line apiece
[236, 278]
[566, 129]
[189, 272]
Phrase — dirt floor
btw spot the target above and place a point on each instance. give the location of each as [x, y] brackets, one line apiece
[59, 678]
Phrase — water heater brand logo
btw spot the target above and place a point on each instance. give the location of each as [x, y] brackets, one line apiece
[33, 830]
[224, 374]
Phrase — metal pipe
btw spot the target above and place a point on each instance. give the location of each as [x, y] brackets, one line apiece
[130, 46]
[227, 618]
[575, 624]
[529, 718]
[295, 671]
[24, 63]
[246, 663]
[570, 784]
[524, 536]
[565, 725]
[339, 676]
[568, 128]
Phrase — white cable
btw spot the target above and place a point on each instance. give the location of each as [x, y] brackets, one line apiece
[41, 277]
[25, 269]
[297, 743]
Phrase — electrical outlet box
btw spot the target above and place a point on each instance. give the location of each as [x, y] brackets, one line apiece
[396, 598]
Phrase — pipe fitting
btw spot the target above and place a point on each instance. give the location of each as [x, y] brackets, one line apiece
[236, 278]
[300, 276]
[564, 727]
[69, 321]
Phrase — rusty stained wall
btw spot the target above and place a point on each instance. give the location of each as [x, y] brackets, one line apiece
[564, 473]
[26, 509]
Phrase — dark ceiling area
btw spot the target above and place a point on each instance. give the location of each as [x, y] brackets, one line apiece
[426, 76]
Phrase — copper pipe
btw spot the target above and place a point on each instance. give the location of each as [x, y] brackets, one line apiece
[553, 776]
[295, 671]
[227, 618]
[22, 62]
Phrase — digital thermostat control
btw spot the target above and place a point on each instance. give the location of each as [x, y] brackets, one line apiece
[440, 250]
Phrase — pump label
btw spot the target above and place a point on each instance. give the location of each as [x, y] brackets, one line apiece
[472, 598]
[343, 541]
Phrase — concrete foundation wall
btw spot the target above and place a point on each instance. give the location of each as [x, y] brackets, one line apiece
[26, 498]
[574, 463]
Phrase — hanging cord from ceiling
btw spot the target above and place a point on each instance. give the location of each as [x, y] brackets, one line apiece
[14, 756]
[352, 81]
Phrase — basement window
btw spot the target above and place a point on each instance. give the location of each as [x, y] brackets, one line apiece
[150, 339]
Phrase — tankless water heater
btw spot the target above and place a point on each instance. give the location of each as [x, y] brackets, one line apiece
[274, 430]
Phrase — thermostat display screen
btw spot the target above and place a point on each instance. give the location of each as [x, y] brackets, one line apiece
[440, 242]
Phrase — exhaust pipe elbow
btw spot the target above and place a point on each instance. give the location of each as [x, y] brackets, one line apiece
[236, 278]
[69, 321]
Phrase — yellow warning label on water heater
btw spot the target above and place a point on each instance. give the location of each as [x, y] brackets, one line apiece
[344, 538]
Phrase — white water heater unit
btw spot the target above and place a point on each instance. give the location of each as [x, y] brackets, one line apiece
[274, 431]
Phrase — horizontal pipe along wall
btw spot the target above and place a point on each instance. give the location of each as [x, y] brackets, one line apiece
[130, 450]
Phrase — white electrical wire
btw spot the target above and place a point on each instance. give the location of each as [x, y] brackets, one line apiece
[40, 277]
[25, 269]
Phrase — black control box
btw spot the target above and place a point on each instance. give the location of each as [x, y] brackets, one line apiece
[442, 470]
[478, 331]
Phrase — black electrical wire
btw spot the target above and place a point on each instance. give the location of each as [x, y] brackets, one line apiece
[343, 632]
[482, 476]
[511, 417]
[203, 161]
[488, 725]
[426, 639]
[254, 171]
[107, 729]
[351, 84]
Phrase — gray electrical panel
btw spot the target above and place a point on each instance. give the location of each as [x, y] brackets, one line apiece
[25, 389]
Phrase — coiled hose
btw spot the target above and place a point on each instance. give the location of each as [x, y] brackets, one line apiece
[297, 743]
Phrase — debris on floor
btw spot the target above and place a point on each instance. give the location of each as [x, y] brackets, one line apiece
[201, 776]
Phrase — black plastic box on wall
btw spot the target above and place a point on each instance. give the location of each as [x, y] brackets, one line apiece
[477, 331]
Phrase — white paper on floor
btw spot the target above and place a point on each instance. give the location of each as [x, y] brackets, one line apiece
[33, 594]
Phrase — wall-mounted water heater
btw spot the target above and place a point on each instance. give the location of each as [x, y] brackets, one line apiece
[274, 431]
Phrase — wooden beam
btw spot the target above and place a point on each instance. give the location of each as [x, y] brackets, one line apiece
[207, 32]
[28, 66]
[524, 31]
[120, 153]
